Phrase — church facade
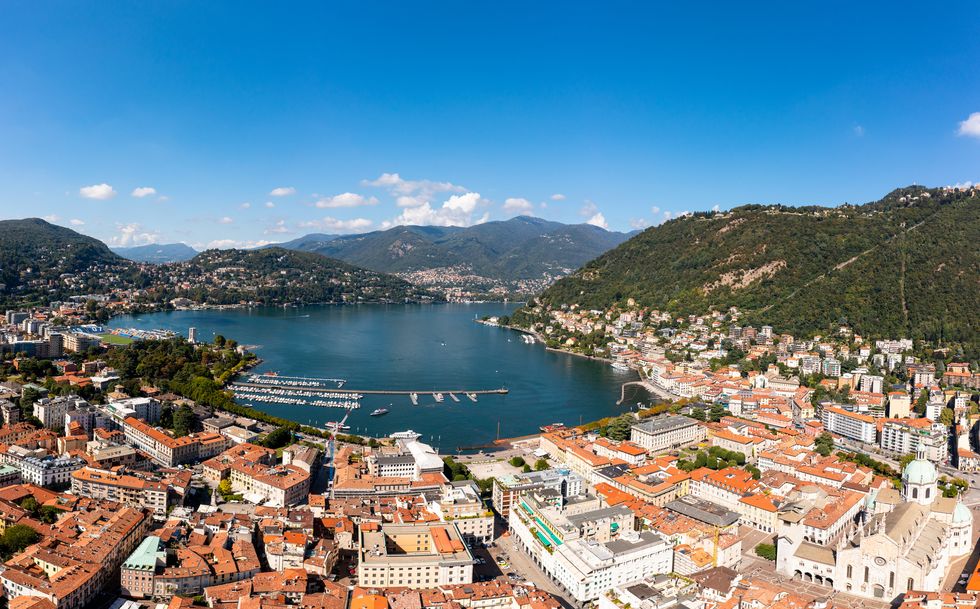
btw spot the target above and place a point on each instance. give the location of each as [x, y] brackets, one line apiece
[901, 541]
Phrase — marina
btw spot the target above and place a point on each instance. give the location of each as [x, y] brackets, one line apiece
[384, 354]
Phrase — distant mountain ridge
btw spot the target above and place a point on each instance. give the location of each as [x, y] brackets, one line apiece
[40, 262]
[907, 265]
[522, 248]
[157, 253]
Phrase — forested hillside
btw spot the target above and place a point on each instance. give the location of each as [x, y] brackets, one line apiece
[907, 265]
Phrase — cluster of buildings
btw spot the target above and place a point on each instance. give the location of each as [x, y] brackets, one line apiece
[617, 513]
[34, 334]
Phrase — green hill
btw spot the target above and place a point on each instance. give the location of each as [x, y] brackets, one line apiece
[34, 255]
[276, 275]
[511, 250]
[907, 265]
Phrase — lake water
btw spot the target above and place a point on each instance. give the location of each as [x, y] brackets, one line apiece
[414, 347]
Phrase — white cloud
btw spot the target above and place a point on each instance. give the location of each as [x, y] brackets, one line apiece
[412, 193]
[163, 198]
[245, 205]
[858, 130]
[143, 191]
[639, 223]
[279, 228]
[76, 222]
[270, 204]
[225, 220]
[223, 244]
[346, 199]
[333, 225]
[97, 191]
[716, 208]
[133, 234]
[52, 218]
[516, 205]
[458, 210]
[407, 201]
[557, 197]
[282, 191]
[965, 185]
[667, 215]
[971, 126]
[598, 220]
[655, 210]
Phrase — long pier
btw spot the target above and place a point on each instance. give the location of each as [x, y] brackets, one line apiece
[315, 390]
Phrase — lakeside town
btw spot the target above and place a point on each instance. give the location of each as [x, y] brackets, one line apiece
[772, 472]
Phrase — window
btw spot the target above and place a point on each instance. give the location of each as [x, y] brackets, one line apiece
[865, 575]
[915, 493]
[850, 571]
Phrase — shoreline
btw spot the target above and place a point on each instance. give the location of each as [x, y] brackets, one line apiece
[544, 342]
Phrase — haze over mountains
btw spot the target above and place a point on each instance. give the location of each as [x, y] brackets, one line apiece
[157, 253]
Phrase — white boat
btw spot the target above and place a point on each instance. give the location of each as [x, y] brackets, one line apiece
[378, 412]
[336, 426]
[438, 397]
[415, 398]
[620, 366]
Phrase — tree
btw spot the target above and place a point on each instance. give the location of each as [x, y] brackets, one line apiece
[219, 340]
[946, 416]
[541, 465]
[278, 438]
[921, 402]
[619, 428]
[184, 421]
[17, 537]
[49, 514]
[717, 412]
[517, 461]
[766, 550]
[167, 417]
[905, 460]
[698, 413]
[30, 504]
[526, 469]
[824, 444]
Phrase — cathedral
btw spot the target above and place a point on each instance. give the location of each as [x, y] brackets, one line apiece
[901, 541]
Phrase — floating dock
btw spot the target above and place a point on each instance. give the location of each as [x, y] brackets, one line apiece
[469, 393]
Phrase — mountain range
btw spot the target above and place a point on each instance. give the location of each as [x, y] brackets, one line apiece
[41, 262]
[905, 266]
[504, 253]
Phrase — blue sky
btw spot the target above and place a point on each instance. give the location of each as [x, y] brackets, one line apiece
[363, 114]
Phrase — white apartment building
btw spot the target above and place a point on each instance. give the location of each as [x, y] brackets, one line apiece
[665, 433]
[51, 411]
[860, 427]
[49, 471]
[906, 436]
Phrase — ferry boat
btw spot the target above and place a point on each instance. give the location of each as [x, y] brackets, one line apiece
[620, 366]
[337, 426]
[408, 434]
[379, 412]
